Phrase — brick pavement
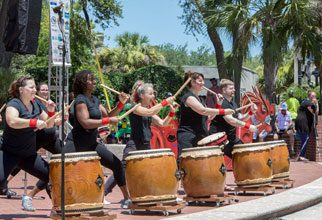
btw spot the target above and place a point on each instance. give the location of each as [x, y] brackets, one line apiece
[301, 172]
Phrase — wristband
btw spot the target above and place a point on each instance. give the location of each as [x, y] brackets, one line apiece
[221, 111]
[33, 122]
[105, 120]
[164, 102]
[217, 106]
[120, 105]
[247, 126]
[51, 114]
[171, 113]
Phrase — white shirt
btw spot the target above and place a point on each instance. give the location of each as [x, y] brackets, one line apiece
[283, 121]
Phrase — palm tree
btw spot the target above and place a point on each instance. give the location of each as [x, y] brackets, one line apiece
[133, 52]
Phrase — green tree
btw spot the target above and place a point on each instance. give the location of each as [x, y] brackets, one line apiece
[133, 52]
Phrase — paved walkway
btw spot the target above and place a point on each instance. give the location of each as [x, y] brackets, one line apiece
[314, 212]
[301, 172]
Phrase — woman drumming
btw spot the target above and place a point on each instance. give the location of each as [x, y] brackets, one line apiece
[23, 116]
[194, 114]
[141, 120]
[89, 115]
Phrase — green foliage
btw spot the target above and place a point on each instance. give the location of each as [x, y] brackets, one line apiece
[299, 92]
[163, 78]
[133, 53]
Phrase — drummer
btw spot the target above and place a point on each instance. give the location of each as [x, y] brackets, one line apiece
[228, 123]
[19, 148]
[89, 115]
[193, 114]
[141, 120]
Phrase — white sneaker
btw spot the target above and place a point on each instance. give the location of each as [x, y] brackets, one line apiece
[179, 200]
[105, 202]
[125, 203]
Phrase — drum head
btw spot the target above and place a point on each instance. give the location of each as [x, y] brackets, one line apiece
[74, 157]
[211, 138]
[149, 153]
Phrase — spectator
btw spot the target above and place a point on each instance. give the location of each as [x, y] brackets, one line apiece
[293, 105]
[211, 99]
[284, 124]
[305, 121]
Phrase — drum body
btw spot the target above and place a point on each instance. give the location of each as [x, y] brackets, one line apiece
[84, 182]
[281, 159]
[151, 176]
[252, 164]
[204, 172]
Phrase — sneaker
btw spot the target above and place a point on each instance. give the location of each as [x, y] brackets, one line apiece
[27, 204]
[105, 202]
[8, 192]
[303, 159]
[125, 203]
[178, 200]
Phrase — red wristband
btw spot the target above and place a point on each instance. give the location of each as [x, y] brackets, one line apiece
[164, 102]
[105, 120]
[250, 113]
[217, 106]
[171, 113]
[33, 122]
[247, 126]
[51, 114]
[221, 111]
[120, 105]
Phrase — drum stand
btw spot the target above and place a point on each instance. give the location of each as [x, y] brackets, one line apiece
[218, 200]
[87, 216]
[283, 183]
[265, 190]
[163, 207]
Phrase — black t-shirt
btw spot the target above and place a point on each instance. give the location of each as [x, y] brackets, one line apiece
[42, 106]
[141, 130]
[219, 124]
[86, 138]
[21, 141]
[304, 120]
[191, 121]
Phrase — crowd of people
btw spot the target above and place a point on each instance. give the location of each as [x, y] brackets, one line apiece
[29, 124]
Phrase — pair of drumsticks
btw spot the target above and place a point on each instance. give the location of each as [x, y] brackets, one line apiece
[237, 109]
[137, 105]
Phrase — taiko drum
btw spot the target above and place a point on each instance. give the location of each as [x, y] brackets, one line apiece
[84, 181]
[151, 176]
[281, 159]
[252, 164]
[204, 172]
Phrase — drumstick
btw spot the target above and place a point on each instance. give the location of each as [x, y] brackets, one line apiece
[112, 90]
[248, 97]
[182, 87]
[209, 90]
[57, 113]
[243, 107]
[41, 99]
[2, 107]
[129, 111]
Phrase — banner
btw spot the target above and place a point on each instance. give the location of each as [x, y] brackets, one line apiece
[56, 37]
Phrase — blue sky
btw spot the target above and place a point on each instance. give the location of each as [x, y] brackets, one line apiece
[159, 21]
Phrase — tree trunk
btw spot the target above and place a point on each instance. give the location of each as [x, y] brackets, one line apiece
[270, 74]
[5, 57]
[219, 51]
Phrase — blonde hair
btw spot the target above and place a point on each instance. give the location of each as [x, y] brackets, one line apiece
[226, 82]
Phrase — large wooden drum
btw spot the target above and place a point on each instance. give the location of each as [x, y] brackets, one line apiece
[151, 176]
[281, 159]
[204, 172]
[84, 181]
[252, 164]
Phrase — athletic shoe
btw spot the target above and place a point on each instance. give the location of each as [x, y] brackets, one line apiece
[27, 204]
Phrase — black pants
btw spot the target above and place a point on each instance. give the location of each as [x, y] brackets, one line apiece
[34, 165]
[108, 159]
[130, 146]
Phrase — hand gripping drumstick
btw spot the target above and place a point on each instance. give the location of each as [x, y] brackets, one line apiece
[182, 87]
[243, 107]
[41, 99]
[129, 111]
[57, 113]
[109, 88]
[2, 107]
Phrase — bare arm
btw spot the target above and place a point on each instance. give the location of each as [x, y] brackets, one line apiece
[196, 106]
[237, 123]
